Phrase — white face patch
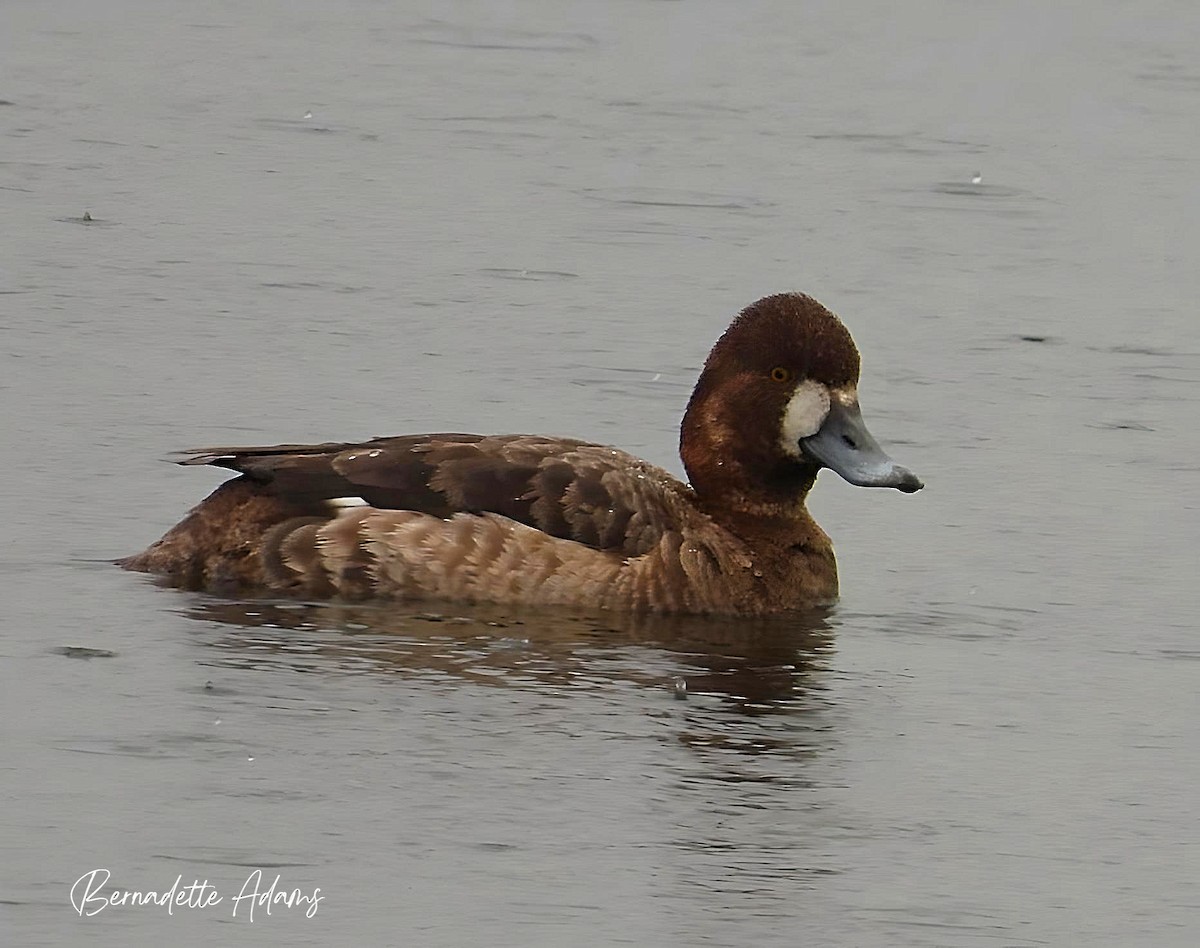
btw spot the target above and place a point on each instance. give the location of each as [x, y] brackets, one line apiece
[803, 416]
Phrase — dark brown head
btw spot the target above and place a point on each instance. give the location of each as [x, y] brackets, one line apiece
[776, 402]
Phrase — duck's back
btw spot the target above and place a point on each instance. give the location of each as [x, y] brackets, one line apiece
[316, 519]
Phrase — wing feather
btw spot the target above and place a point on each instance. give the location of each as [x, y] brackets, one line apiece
[574, 490]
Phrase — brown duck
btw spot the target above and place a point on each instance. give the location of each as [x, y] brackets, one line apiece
[555, 521]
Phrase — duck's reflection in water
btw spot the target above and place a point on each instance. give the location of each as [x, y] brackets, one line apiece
[753, 666]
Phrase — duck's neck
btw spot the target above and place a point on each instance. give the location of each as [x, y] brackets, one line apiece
[741, 480]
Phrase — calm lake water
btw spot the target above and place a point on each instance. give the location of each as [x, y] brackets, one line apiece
[302, 221]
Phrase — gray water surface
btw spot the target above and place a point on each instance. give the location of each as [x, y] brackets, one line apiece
[250, 223]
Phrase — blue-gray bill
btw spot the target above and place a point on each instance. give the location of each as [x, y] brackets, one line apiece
[844, 445]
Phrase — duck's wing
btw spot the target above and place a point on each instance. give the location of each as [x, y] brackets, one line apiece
[595, 495]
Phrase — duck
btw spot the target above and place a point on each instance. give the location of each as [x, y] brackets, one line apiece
[536, 520]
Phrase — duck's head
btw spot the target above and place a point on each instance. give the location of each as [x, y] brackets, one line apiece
[776, 402]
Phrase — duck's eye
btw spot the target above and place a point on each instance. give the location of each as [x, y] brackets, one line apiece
[781, 374]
